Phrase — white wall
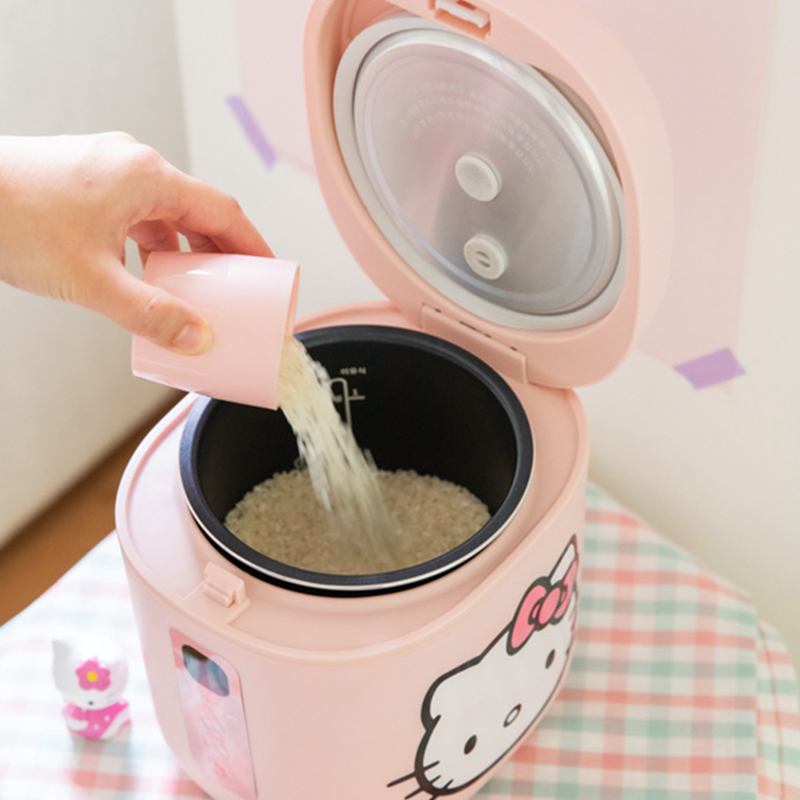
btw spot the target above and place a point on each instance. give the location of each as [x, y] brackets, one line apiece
[66, 392]
[283, 201]
[716, 470]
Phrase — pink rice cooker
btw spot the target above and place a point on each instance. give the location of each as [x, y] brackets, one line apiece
[500, 170]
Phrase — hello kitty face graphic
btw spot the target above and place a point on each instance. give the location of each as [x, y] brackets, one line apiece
[474, 714]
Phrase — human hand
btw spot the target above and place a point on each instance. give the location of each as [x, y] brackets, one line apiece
[67, 205]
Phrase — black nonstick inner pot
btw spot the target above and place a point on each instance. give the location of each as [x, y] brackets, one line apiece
[414, 401]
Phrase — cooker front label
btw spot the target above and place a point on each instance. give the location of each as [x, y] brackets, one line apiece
[211, 700]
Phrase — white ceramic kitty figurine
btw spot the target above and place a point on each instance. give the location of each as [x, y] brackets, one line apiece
[91, 675]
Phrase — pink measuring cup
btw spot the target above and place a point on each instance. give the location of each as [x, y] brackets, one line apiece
[250, 304]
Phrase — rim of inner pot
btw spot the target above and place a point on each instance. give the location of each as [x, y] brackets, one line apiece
[204, 438]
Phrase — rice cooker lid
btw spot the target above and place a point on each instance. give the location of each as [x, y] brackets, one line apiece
[494, 190]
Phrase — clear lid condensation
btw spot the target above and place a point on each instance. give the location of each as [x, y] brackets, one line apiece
[482, 175]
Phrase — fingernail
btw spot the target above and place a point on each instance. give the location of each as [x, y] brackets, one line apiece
[193, 339]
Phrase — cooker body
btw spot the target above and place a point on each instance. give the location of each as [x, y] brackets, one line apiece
[433, 714]
[265, 690]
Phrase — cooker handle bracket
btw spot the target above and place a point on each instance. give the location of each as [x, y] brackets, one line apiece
[221, 595]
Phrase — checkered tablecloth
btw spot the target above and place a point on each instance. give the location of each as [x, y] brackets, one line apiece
[677, 689]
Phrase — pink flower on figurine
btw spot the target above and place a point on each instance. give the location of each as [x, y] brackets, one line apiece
[93, 675]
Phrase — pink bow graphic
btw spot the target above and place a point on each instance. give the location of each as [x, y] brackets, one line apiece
[544, 603]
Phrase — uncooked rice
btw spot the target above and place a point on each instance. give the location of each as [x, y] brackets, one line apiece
[283, 519]
[340, 514]
[344, 482]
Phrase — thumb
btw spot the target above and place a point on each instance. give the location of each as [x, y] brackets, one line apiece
[151, 312]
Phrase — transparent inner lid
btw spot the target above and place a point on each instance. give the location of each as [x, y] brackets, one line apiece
[481, 174]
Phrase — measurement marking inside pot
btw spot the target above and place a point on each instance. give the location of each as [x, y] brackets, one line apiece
[347, 396]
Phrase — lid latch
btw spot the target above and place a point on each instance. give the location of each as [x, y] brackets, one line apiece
[463, 11]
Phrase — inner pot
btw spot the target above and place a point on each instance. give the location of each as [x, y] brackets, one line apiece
[414, 402]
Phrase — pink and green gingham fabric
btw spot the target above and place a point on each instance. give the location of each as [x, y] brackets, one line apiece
[677, 690]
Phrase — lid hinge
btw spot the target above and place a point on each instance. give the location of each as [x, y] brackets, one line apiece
[505, 359]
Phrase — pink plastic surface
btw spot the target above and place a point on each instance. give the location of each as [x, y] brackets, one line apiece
[565, 40]
[349, 679]
[250, 303]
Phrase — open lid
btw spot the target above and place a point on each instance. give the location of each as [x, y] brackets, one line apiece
[500, 172]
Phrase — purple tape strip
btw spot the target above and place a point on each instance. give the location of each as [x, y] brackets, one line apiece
[711, 369]
[252, 129]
